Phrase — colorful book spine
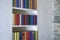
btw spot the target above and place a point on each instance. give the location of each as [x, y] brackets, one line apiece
[17, 19]
[23, 35]
[25, 20]
[17, 3]
[35, 19]
[14, 3]
[31, 35]
[30, 4]
[17, 35]
[20, 35]
[27, 3]
[35, 35]
[31, 20]
[27, 35]
[24, 4]
[35, 4]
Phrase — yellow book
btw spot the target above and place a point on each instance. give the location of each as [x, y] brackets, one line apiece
[17, 34]
[36, 33]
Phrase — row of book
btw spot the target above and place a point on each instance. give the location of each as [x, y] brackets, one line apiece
[32, 4]
[25, 35]
[25, 19]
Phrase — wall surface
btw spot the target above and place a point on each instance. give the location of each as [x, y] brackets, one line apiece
[44, 19]
[5, 20]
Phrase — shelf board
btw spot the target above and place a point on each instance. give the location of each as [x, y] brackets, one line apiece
[25, 11]
[24, 28]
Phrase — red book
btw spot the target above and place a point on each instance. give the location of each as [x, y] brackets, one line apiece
[27, 35]
[17, 19]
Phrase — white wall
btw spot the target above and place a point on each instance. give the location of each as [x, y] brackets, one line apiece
[44, 19]
[5, 19]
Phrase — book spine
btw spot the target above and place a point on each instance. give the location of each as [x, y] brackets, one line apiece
[14, 3]
[36, 35]
[35, 19]
[25, 21]
[31, 20]
[17, 35]
[17, 3]
[13, 36]
[23, 35]
[28, 19]
[24, 4]
[22, 19]
[17, 19]
[31, 35]
[27, 35]
[30, 4]
[20, 35]
[27, 3]
[35, 4]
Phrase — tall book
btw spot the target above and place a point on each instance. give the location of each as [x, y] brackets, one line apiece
[35, 19]
[14, 3]
[17, 3]
[20, 35]
[35, 34]
[27, 35]
[17, 34]
[27, 3]
[17, 19]
[31, 35]
[23, 35]
[24, 3]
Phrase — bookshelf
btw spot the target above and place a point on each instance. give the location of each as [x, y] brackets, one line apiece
[56, 22]
[24, 20]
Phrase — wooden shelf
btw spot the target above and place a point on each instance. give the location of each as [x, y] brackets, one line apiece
[24, 28]
[25, 11]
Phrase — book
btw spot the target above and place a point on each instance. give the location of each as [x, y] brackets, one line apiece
[17, 3]
[31, 19]
[20, 35]
[14, 3]
[35, 35]
[35, 19]
[31, 35]
[30, 4]
[27, 3]
[27, 35]
[23, 35]
[17, 34]
[17, 19]
[24, 3]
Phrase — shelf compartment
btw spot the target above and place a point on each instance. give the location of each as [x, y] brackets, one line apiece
[27, 28]
[24, 11]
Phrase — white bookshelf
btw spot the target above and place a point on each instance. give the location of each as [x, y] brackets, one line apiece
[25, 11]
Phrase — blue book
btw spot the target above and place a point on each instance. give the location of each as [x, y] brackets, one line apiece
[31, 19]
[17, 3]
[22, 19]
[20, 35]
[31, 35]
[24, 3]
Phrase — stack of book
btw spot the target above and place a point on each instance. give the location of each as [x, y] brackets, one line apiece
[25, 35]
[32, 4]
